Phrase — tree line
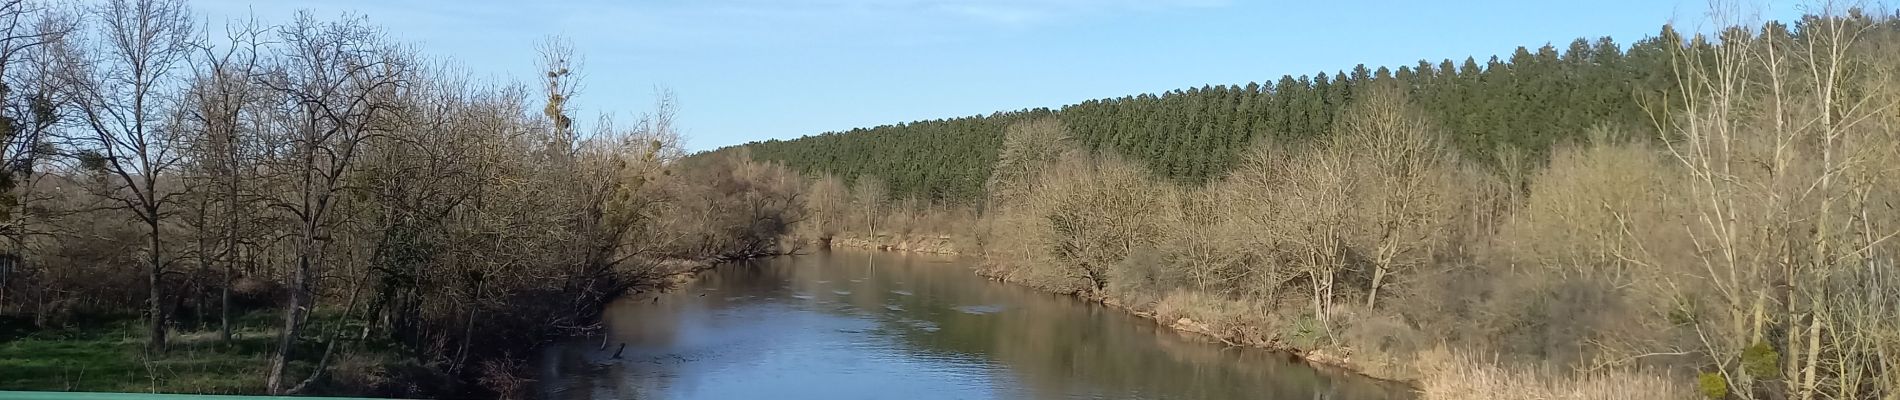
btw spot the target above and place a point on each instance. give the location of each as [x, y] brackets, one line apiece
[1705, 216]
[1507, 112]
[371, 199]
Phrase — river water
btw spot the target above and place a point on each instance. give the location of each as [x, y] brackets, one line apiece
[872, 325]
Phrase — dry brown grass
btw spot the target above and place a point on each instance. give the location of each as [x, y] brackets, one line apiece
[369, 372]
[1233, 320]
[1462, 377]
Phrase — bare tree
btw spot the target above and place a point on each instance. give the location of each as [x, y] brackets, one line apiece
[335, 81]
[1095, 212]
[1302, 201]
[32, 108]
[870, 196]
[560, 63]
[1404, 184]
[119, 91]
[1028, 147]
[1785, 144]
[221, 94]
[827, 201]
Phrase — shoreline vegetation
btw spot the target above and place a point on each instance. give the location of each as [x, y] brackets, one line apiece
[938, 245]
[1459, 383]
[1702, 215]
[310, 207]
[105, 353]
[314, 208]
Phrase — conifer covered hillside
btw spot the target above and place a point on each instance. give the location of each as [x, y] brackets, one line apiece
[1505, 110]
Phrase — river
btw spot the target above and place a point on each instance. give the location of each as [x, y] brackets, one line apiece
[872, 325]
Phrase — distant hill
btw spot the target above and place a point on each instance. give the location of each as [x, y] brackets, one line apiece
[1526, 101]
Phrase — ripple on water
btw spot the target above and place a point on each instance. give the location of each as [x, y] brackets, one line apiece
[925, 326]
[789, 339]
[841, 292]
[981, 309]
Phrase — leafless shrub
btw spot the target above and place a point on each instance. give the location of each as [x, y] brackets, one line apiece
[1088, 215]
[827, 204]
[735, 208]
[1403, 189]
[503, 377]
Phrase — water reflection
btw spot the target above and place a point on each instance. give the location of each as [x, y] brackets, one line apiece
[883, 325]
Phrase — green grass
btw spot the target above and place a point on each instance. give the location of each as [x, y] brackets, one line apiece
[109, 357]
[1305, 333]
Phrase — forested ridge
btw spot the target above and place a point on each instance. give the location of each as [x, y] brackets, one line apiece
[1504, 109]
[1696, 216]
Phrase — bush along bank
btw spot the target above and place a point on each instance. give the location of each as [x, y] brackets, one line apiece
[1717, 254]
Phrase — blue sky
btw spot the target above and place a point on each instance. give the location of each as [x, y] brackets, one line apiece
[748, 70]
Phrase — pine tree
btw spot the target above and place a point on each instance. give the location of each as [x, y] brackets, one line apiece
[1531, 99]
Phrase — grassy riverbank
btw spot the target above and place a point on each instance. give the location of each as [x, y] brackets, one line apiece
[107, 354]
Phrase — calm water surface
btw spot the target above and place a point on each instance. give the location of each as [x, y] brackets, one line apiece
[863, 325]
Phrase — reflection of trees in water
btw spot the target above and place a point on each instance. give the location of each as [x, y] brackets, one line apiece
[1057, 346]
[1053, 346]
[579, 371]
[652, 319]
[588, 370]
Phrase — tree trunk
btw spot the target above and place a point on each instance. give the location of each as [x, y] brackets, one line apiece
[294, 316]
[468, 335]
[1319, 309]
[1372, 295]
[1331, 276]
[468, 327]
[224, 307]
[204, 265]
[153, 300]
[1809, 382]
[230, 249]
[6, 268]
[329, 340]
